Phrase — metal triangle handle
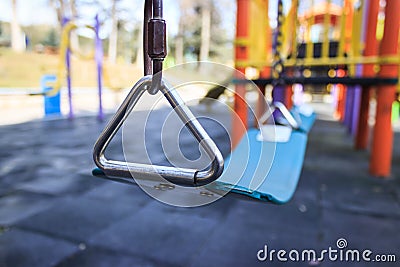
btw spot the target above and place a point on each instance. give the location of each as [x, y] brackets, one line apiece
[180, 176]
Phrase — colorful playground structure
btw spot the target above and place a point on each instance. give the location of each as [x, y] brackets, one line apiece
[64, 67]
[344, 56]
[356, 45]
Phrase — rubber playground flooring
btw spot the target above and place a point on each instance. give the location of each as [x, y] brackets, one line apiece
[54, 213]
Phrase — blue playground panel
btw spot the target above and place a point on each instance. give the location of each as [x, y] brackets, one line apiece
[52, 104]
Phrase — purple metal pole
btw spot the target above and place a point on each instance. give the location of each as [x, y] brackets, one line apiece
[69, 83]
[99, 65]
[279, 93]
[359, 72]
[348, 115]
[356, 110]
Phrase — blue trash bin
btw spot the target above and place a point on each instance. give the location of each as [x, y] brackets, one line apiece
[52, 104]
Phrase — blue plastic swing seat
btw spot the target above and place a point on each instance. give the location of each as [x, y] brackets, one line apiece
[262, 170]
[264, 175]
[307, 122]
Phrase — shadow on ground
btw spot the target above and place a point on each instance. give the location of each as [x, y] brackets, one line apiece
[54, 213]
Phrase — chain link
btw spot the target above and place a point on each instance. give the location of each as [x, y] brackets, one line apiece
[154, 42]
[278, 68]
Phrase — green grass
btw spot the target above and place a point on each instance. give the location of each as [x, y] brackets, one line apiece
[26, 70]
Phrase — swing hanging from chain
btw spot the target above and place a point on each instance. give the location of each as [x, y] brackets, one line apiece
[155, 50]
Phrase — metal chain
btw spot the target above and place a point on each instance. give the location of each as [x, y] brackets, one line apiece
[154, 42]
[277, 66]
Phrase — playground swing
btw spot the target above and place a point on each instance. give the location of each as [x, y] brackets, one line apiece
[274, 181]
[279, 180]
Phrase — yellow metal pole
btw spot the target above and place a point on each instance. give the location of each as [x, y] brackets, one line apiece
[295, 4]
[392, 59]
[342, 37]
[310, 44]
[356, 34]
[79, 54]
[327, 24]
[65, 41]
[65, 44]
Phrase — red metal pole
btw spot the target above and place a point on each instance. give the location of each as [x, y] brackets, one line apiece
[371, 49]
[382, 143]
[289, 92]
[241, 53]
[341, 102]
[288, 96]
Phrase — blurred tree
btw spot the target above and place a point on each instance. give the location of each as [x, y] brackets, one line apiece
[66, 9]
[200, 31]
[38, 34]
[74, 14]
[205, 30]
[59, 7]
[52, 38]
[184, 7]
[113, 42]
[70, 9]
[17, 40]
[123, 37]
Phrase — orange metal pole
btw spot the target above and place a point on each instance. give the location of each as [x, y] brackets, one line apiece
[341, 109]
[382, 143]
[341, 97]
[371, 49]
[241, 53]
[341, 101]
[293, 50]
[261, 104]
[264, 73]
